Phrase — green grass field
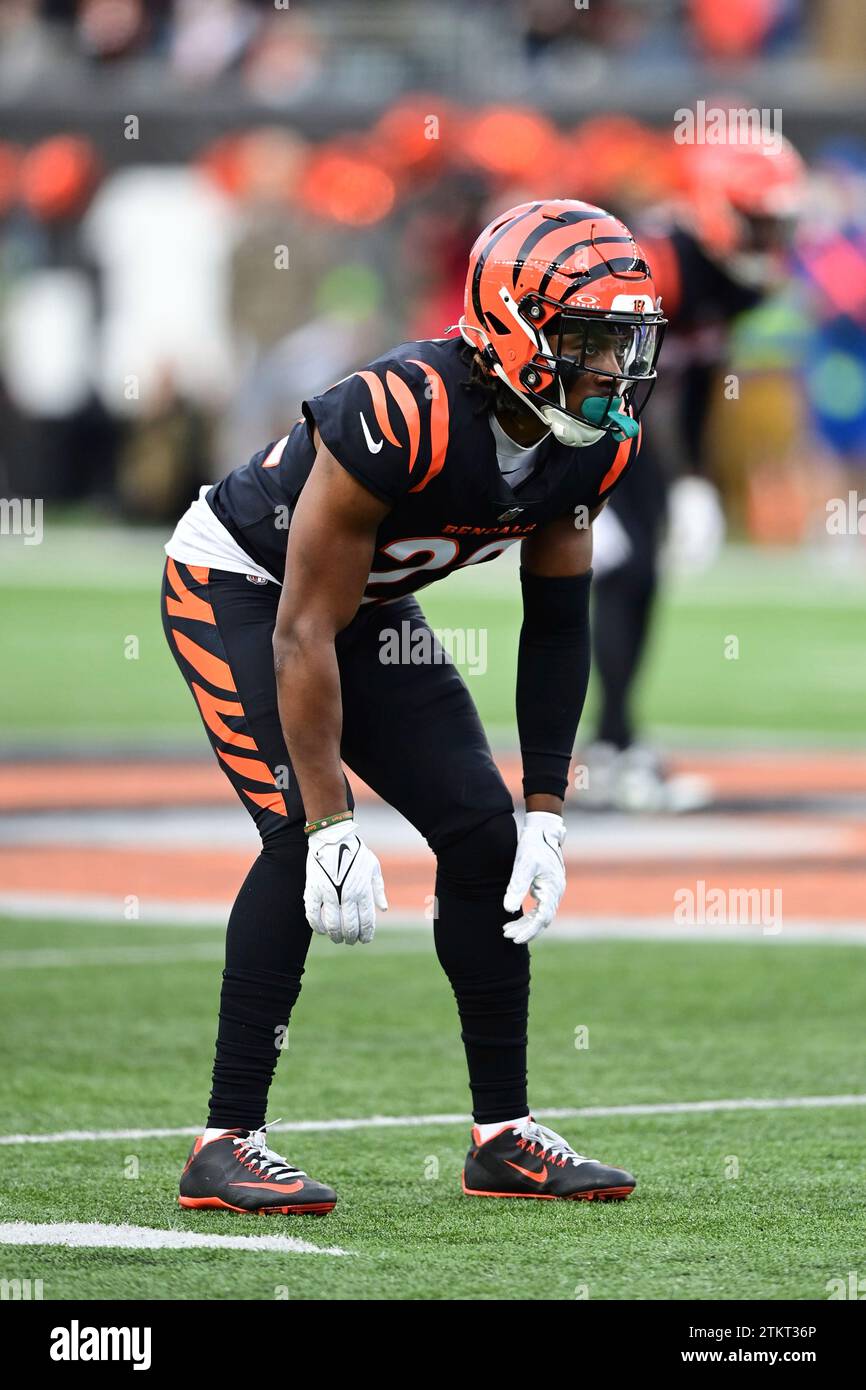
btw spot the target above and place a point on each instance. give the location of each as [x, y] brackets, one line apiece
[112, 1028]
[72, 604]
[375, 1033]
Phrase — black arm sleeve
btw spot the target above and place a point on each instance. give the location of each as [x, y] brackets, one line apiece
[552, 677]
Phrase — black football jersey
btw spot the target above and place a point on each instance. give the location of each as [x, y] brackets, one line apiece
[696, 291]
[412, 432]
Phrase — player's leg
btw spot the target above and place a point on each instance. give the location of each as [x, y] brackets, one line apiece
[623, 772]
[219, 627]
[624, 588]
[413, 733]
[624, 599]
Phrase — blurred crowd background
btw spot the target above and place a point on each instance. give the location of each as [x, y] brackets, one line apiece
[212, 208]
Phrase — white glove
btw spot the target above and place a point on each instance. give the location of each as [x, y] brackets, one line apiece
[344, 884]
[539, 869]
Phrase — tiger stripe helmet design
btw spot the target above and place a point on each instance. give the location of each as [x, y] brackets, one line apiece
[555, 269]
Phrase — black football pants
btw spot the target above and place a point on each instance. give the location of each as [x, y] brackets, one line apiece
[413, 734]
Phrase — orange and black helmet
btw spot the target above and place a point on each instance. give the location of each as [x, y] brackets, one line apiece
[742, 202]
[558, 269]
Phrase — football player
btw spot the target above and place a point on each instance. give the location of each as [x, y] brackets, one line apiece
[717, 252]
[280, 584]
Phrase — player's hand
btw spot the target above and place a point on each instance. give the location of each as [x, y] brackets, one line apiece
[344, 884]
[539, 869]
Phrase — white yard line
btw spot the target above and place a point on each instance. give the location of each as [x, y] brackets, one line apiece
[104, 910]
[588, 1112]
[597, 839]
[95, 1234]
[72, 910]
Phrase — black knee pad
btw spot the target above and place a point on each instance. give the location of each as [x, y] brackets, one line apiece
[480, 861]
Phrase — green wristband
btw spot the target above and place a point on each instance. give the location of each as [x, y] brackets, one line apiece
[314, 825]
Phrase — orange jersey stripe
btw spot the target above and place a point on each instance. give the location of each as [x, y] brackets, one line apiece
[201, 573]
[380, 405]
[620, 460]
[248, 767]
[409, 409]
[186, 605]
[276, 452]
[211, 708]
[214, 670]
[438, 425]
[270, 801]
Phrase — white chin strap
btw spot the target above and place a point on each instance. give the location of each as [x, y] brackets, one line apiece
[566, 429]
[574, 434]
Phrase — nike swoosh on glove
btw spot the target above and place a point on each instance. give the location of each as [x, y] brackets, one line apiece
[539, 869]
[344, 884]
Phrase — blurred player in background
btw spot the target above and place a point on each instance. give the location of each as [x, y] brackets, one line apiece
[715, 252]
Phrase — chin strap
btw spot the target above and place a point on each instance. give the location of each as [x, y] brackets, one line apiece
[575, 434]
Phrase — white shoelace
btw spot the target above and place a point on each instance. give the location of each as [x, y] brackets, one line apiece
[550, 1142]
[271, 1164]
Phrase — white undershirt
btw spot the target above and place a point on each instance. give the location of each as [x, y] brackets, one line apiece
[516, 461]
[201, 539]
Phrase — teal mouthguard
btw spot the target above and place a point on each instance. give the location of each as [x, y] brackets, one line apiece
[595, 409]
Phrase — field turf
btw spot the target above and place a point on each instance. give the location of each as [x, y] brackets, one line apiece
[737, 1205]
[81, 631]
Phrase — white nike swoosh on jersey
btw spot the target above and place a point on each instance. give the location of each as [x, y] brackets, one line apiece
[374, 448]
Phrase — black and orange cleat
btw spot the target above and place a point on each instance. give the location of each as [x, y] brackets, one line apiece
[238, 1172]
[528, 1160]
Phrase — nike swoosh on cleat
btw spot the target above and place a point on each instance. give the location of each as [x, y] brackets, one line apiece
[271, 1186]
[371, 445]
[536, 1177]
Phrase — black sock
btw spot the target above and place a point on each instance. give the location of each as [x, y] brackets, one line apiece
[266, 946]
[488, 973]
